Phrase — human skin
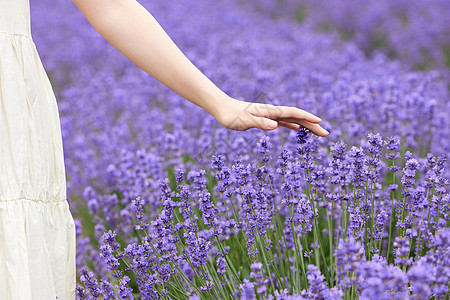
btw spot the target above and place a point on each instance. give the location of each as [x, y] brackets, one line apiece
[134, 32]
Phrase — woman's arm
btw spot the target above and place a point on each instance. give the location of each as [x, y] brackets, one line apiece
[132, 30]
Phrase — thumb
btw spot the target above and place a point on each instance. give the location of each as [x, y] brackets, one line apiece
[264, 123]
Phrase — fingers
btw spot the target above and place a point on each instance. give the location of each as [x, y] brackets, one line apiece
[264, 123]
[269, 117]
[299, 114]
[314, 128]
[285, 113]
[288, 125]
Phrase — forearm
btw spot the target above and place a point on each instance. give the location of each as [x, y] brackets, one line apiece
[132, 30]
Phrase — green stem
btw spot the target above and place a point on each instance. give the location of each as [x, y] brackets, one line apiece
[330, 238]
[297, 248]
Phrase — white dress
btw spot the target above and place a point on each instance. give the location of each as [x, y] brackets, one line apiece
[37, 231]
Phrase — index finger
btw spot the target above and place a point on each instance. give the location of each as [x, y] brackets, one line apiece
[288, 112]
[279, 112]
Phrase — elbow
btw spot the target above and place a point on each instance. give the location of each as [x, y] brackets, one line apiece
[100, 13]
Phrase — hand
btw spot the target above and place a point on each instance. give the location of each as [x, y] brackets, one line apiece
[241, 115]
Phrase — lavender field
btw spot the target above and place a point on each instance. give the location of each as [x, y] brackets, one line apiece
[169, 204]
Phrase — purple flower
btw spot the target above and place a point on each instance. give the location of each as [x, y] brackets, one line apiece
[197, 177]
[376, 143]
[392, 144]
[248, 290]
[179, 176]
[80, 292]
[377, 279]
[107, 246]
[401, 251]
[317, 288]
[263, 148]
[197, 248]
[257, 274]
[349, 255]
[139, 212]
[125, 291]
[217, 162]
[90, 282]
[207, 209]
[337, 165]
[381, 220]
[221, 264]
[409, 172]
[283, 159]
[357, 158]
[421, 275]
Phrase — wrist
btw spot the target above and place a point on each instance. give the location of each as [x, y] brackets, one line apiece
[214, 103]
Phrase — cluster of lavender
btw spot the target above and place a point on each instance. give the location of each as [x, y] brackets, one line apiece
[258, 227]
[415, 32]
[364, 221]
